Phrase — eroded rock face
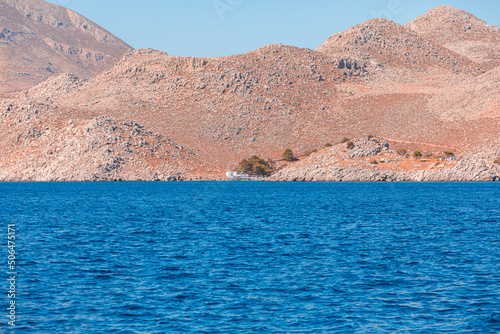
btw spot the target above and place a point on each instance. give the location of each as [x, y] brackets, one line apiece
[334, 164]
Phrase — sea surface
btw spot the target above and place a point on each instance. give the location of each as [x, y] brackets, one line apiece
[252, 257]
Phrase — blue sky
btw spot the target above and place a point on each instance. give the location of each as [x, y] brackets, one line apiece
[210, 28]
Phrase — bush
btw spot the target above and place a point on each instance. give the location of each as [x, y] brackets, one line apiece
[255, 166]
[402, 152]
[417, 154]
[370, 137]
[328, 145]
[350, 145]
[496, 161]
[309, 152]
[374, 162]
[345, 140]
[288, 155]
[449, 153]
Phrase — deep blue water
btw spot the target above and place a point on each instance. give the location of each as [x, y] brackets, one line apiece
[225, 257]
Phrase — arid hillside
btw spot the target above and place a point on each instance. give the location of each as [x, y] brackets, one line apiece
[397, 53]
[40, 39]
[474, 99]
[377, 78]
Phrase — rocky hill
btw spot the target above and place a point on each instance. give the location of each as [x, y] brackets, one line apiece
[460, 32]
[38, 143]
[389, 47]
[226, 107]
[40, 39]
[166, 117]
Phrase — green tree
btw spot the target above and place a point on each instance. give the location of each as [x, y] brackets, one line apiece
[417, 154]
[288, 155]
[245, 166]
[255, 166]
[449, 153]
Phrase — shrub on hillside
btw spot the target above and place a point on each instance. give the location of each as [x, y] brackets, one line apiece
[288, 155]
[402, 152]
[417, 154]
[328, 145]
[345, 140]
[350, 145]
[449, 153]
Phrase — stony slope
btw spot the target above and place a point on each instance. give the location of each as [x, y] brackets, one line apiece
[266, 100]
[474, 99]
[224, 107]
[39, 40]
[398, 52]
[38, 144]
[213, 112]
[373, 160]
[461, 32]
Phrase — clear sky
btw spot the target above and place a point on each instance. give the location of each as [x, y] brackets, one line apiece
[210, 28]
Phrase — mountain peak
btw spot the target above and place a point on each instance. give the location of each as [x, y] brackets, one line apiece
[387, 44]
[360, 34]
[461, 32]
[444, 17]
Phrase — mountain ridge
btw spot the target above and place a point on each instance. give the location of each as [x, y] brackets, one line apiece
[392, 83]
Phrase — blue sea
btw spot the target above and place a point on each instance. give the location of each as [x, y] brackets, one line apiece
[253, 257]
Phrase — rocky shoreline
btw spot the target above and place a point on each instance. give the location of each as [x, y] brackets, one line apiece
[341, 165]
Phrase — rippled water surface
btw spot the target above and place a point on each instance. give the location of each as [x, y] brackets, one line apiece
[225, 257]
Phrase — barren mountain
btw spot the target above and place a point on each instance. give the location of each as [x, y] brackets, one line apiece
[228, 108]
[461, 32]
[225, 107]
[38, 144]
[201, 116]
[39, 40]
[398, 52]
